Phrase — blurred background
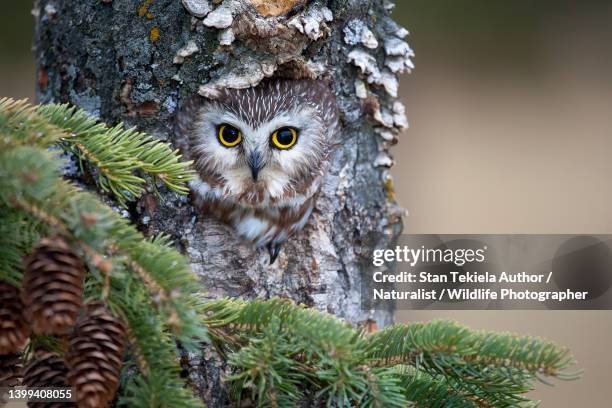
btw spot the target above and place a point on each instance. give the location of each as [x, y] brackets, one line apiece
[510, 111]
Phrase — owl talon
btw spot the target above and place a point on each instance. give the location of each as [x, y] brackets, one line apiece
[274, 250]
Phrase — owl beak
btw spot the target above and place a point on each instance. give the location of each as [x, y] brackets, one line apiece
[255, 163]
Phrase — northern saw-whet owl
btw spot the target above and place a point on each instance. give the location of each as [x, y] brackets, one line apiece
[260, 155]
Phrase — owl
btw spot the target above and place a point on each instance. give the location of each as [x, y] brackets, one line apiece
[260, 155]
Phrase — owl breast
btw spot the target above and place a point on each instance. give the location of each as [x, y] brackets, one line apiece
[266, 226]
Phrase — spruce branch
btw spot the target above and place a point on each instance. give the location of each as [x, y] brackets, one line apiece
[117, 153]
[425, 390]
[494, 367]
[438, 343]
[106, 233]
[434, 364]
[158, 382]
[31, 184]
[121, 158]
[21, 125]
[17, 236]
[275, 377]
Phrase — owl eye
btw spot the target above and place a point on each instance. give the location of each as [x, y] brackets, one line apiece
[284, 138]
[229, 136]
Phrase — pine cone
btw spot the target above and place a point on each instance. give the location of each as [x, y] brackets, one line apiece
[14, 330]
[53, 286]
[10, 373]
[48, 370]
[96, 357]
[10, 370]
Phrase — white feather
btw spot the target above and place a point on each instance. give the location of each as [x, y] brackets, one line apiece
[199, 186]
[251, 227]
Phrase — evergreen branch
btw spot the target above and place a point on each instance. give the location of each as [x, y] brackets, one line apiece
[159, 383]
[425, 390]
[154, 391]
[121, 158]
[21, 125]
[440, 363]
[383, 389]
[424, 342]
[17, 236]
[266, 368]
[143, 364]
[105, 232]
[117, 153]
[532, 354]
[488, 367]
[290, 343]
[175, 290]
[30, 183]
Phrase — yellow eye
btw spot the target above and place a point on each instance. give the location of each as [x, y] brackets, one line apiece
[229, 136]
[284, 138]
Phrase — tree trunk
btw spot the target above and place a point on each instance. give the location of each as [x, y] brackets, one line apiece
[138, 61]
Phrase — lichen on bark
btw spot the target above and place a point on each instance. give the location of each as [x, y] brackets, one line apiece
[138, 61]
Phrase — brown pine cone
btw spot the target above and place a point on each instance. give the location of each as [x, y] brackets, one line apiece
[10, 373]
[10, 370]
[14, 330]
[48, 370]
[96, 357]
[53, 286]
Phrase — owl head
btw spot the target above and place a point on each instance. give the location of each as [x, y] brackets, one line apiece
[263, 145]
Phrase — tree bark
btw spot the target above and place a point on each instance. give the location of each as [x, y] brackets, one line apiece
[138, 61]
